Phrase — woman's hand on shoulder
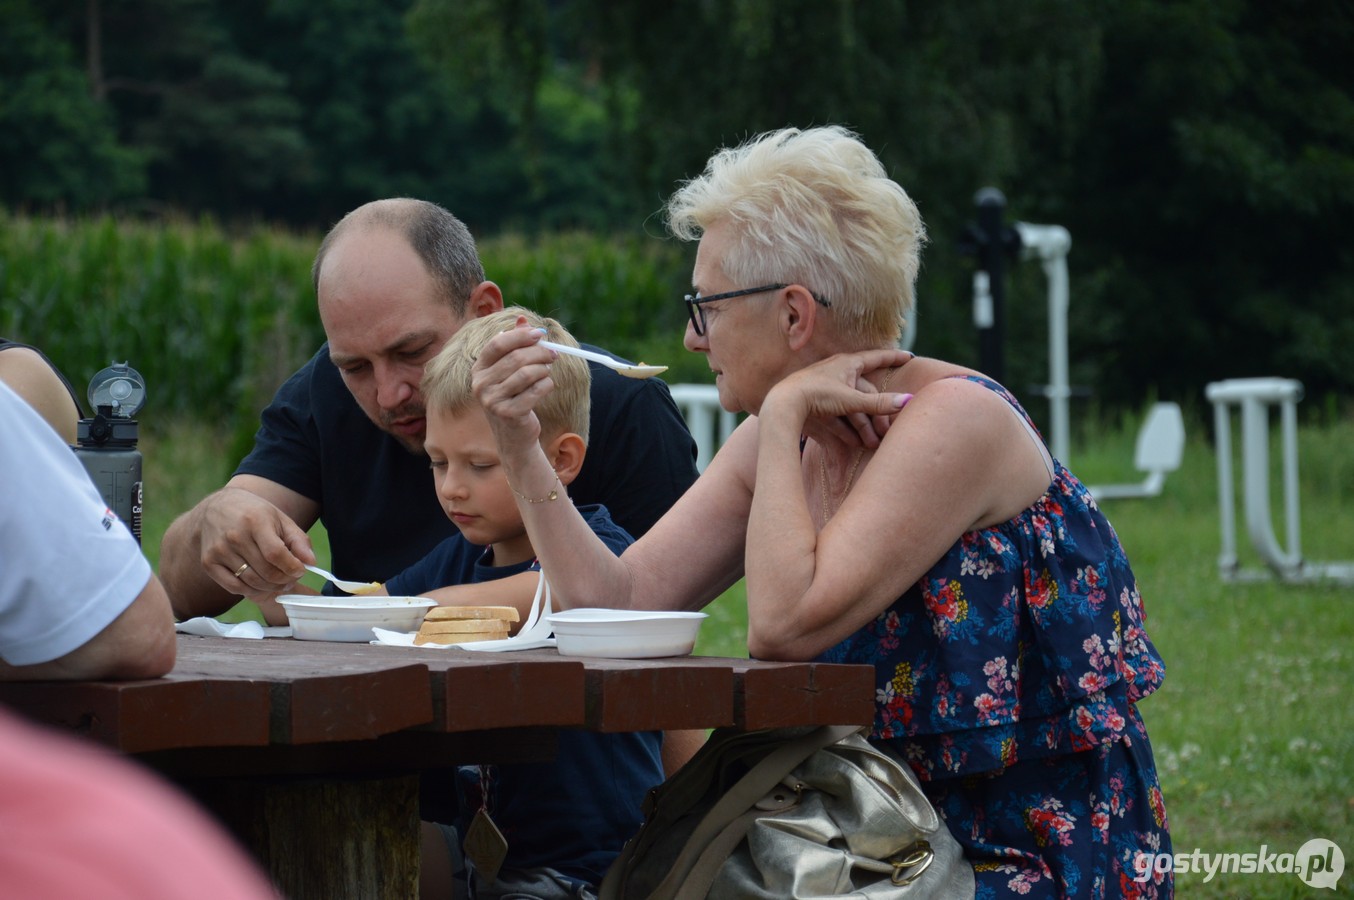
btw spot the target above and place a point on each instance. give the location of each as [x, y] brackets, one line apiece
[834, 397]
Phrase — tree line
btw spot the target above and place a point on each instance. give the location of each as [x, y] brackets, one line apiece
[1200, 153]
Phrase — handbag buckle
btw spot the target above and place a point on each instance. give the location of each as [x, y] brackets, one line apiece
[917, 859]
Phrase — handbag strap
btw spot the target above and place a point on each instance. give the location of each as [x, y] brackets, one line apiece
[706, 868]
[739, 799]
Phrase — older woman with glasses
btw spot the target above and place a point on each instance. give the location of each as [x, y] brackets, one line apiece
[885, 509]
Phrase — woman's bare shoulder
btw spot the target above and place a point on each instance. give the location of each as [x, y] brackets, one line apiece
[924, 370]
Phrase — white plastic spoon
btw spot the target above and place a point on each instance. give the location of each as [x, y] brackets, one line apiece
[629, 370]
[351, 587]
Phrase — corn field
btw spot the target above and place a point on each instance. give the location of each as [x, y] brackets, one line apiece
[215, 320]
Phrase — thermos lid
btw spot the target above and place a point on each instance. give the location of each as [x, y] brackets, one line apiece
[119, 386]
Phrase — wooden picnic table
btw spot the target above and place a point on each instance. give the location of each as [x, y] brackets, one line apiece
[312, 751]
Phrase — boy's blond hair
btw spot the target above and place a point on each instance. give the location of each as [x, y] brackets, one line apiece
[446, 380]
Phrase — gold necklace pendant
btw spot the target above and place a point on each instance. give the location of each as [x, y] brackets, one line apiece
[855, 463]
[850, 477]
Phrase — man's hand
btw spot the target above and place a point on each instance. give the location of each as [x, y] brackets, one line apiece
[249, 546]
[246, 540]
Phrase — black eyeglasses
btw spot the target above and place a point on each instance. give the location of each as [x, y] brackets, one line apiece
[697, 314]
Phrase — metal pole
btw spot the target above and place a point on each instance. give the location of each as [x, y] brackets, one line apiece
[1051, 243]
[992, 249]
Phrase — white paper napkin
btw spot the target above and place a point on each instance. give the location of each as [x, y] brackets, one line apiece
[208, 627]
[535, 631]
[406, 639]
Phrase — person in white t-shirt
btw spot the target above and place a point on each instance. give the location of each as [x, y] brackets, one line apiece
[78, 599]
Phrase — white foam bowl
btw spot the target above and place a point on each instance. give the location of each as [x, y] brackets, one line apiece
[625, 634]
[317, 618]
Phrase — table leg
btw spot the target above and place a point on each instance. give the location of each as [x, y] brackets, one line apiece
[319, 839]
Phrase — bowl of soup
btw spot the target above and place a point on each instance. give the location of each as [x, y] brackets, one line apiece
[351, 619]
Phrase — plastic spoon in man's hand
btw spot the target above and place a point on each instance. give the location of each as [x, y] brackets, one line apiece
[352, 587]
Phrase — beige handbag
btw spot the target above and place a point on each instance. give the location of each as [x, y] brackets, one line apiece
[789, 814]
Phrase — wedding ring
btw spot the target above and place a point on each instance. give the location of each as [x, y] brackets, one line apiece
[240, 571]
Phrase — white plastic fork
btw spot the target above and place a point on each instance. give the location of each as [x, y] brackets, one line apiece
[351, 587]
[629, 370]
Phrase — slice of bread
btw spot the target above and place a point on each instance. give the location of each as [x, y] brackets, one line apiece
[444, 613]
[461, 638]
[463, 626]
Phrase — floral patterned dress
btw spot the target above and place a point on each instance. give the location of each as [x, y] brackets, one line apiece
[1008, 678]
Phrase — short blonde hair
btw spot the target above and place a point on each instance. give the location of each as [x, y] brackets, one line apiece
[813, 207]
[446, 382]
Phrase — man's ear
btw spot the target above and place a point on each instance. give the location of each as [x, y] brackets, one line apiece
[485, 298]
[798, 315]
[566, 454]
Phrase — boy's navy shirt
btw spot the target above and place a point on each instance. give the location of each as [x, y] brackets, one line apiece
[572, 814]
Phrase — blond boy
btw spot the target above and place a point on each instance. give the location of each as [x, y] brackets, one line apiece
[563, 821]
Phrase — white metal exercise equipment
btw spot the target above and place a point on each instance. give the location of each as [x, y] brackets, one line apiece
[1050, 244]
[1254, 396]
[1159, 449]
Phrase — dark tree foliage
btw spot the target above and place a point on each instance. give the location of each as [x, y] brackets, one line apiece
[215, 125]
[58, 145]
[1200, 152]
[1218, 177]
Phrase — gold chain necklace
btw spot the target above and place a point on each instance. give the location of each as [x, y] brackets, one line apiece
[855, 463]
[850, 477]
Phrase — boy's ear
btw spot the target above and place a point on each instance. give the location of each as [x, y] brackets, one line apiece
[566, 454]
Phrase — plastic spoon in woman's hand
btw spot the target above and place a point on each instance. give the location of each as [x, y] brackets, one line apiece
[351, 587]
[629, 370]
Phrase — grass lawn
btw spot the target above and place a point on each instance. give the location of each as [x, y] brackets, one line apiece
[1254, 728]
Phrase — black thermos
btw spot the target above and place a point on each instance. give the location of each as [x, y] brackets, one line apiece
[106, 443]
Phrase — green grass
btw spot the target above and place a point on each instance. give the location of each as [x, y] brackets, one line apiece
[1254, 728]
